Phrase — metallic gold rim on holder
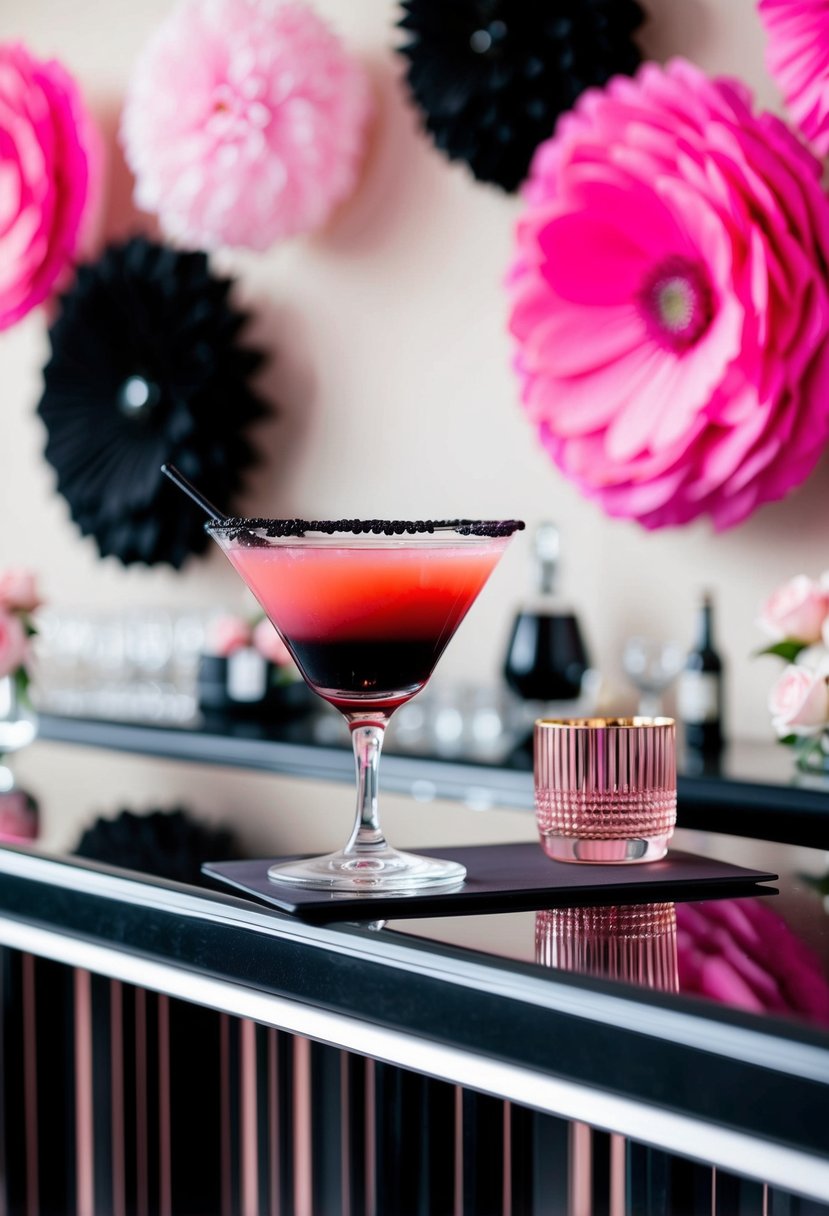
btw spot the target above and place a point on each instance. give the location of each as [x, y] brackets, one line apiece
[605, 788]
[603, 723]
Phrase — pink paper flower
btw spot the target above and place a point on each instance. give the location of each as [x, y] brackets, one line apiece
[739, 952]
[671, 302]
[796, 610]
[269, 644]
[18, 591]
[799, 702]
[244, 123]
[50, 168]
[797, 56]
[14, 647]
[226, 635]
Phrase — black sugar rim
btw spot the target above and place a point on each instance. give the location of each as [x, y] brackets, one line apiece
[359, 527]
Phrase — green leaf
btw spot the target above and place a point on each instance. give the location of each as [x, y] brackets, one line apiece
[21, 682]
[788, 649]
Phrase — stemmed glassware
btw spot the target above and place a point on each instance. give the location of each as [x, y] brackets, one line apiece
[366, 609]
[652, 666]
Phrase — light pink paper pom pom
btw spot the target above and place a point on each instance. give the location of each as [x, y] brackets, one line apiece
[670, 300]
[50, 177]
[245, 122]
[797, 56]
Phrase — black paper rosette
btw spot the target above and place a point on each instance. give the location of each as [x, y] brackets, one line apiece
[147, 368]
[170, 844]
[492, 76]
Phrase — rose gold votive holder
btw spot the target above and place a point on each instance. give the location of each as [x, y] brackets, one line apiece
[635, 943]
[605, 788]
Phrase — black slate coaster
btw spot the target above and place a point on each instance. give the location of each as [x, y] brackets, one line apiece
[503, 878]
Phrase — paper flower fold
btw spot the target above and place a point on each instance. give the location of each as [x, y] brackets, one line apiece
[490, 77]
[244, 122]
[50, 168]
[670, 300]
[797, 56]
[147, 368]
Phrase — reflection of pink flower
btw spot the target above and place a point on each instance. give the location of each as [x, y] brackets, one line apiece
[742, 953]
[796, 610]
[244, 122]
[14, 647]
[18, 591]
[799, 702]
[18, 816]
[269, 644]
[797, 56]
[49, 178]
[226, 635]
[670, 299]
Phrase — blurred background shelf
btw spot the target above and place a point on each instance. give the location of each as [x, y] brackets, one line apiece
[752, 789]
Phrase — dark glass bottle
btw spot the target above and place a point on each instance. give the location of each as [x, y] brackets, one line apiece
[546, 656]
[700, 689]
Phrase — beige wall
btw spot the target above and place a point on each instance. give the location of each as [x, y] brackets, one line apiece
[392, 369]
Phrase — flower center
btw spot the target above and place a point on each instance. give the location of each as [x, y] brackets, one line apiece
[677, 303]
[138, 397]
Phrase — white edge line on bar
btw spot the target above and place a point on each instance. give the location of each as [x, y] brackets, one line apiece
[757, 1047]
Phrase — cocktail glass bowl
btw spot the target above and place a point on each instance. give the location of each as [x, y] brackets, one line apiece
[366, 608]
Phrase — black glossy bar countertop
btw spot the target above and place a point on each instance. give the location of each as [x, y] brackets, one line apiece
[700, 1027]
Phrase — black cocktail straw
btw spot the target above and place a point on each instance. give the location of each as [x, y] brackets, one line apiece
[170, 470]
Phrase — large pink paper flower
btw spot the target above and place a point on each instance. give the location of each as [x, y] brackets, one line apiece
[244, 123]
[797, 56]
[50, 164]
[670, 299]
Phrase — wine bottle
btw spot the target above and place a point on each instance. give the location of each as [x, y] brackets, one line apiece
[700, 689]
[546, 657]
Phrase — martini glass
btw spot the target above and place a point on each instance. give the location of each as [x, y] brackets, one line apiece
[366, 608]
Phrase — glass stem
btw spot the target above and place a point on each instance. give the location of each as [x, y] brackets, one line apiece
[650, 705]
[367, 740]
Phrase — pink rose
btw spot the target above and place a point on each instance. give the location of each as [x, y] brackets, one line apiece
[799, 702]
[268, 642]
[226, 635]
[18, 591]
[50, 180]
[797, 610]
[18, 816]
[14, 647]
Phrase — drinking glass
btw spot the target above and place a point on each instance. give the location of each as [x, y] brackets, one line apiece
[652, 665]
[605, 788]
[635, 943]
[366, 608]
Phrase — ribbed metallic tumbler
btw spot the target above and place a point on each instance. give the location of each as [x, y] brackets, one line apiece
[605, 788]
[635, 943]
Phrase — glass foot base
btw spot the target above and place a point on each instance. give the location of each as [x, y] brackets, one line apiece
[385, 872]
[605, 852]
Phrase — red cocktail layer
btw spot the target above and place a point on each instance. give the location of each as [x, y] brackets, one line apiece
[366, 622]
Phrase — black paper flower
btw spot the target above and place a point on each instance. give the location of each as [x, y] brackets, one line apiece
[168, 844]
[492, 76]
[147, 367]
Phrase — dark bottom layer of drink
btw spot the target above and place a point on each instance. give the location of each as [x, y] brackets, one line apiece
[367, 675]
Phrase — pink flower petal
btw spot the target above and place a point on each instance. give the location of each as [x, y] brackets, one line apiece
[670, 298]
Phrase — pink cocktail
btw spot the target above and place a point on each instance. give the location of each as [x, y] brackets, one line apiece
[366, 609]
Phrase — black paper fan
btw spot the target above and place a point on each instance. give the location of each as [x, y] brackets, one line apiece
[147, 367]
[492, 76]
[169, 844]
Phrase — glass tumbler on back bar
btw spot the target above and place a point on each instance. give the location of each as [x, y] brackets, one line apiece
[605, 788]
[366, 609]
